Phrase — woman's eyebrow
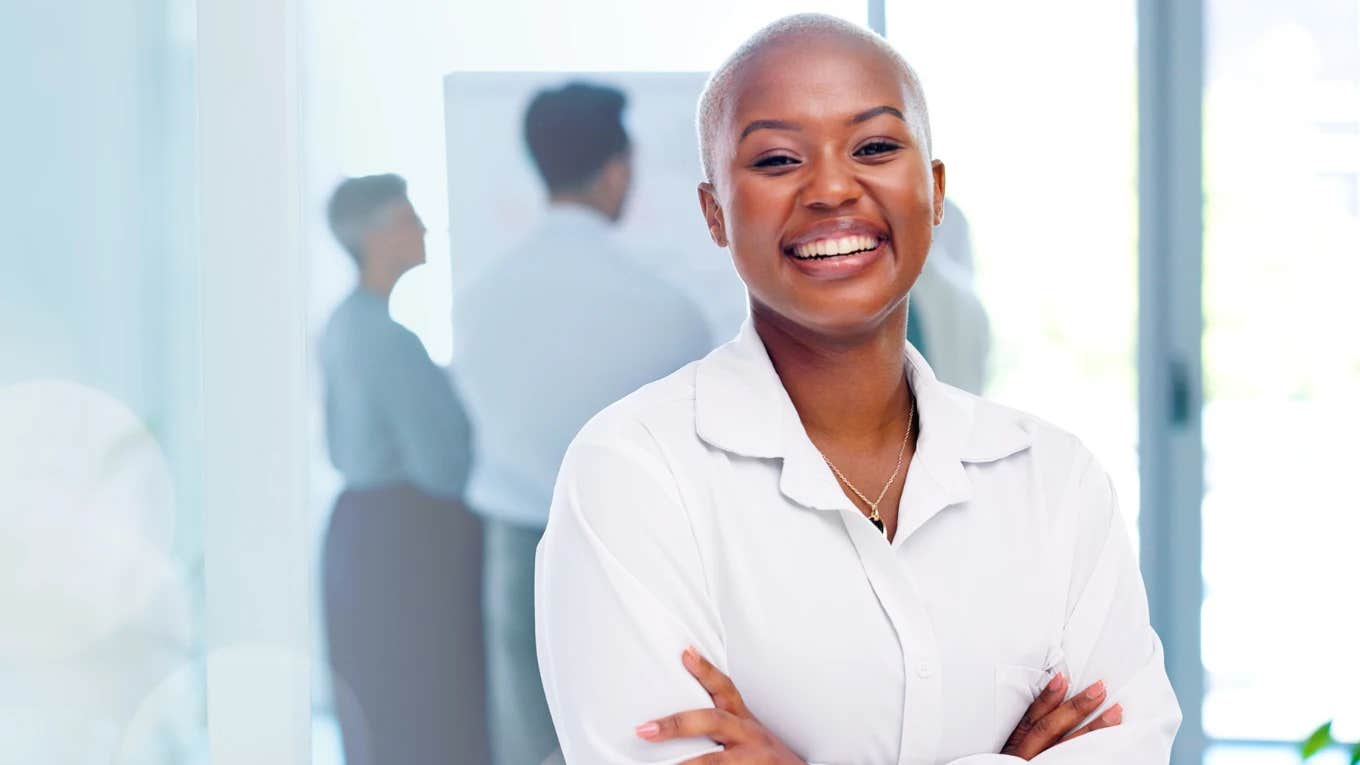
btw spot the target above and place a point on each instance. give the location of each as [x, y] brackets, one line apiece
[863, 116]
[755, 125]
[869, 114]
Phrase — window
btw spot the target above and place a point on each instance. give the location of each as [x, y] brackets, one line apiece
[1282, 368]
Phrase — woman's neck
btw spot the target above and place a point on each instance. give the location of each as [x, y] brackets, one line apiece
[848, 390]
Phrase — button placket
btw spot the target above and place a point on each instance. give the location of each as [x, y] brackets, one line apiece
[922, 691]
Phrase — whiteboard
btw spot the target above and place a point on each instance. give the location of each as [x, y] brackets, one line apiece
[496, 196]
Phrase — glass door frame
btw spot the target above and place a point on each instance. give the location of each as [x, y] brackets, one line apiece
[1171, 84]
[1170, 328]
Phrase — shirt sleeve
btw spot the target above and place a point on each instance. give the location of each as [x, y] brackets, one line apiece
[620, 591]
[431, 427]
[1108, 637]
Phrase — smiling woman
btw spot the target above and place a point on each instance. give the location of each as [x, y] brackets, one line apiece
[761, 134]
[713, 568]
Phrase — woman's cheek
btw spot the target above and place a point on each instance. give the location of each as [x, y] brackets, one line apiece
[749, 259]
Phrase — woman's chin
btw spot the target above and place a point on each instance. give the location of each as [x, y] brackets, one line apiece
[847, 317]
[849, 300]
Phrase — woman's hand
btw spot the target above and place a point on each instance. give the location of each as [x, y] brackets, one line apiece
[1049, 721]
[745, 741]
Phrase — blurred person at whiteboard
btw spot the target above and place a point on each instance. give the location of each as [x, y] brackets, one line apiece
[555, 330]
[401, 561]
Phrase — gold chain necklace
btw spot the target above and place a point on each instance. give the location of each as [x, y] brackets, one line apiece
[873, 506]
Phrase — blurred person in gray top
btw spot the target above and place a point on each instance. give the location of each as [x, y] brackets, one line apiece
[402, 558]
[558, 328]
[391, 415]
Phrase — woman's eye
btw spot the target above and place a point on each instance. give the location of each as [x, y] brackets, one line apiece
[876, 147]
[778, 160]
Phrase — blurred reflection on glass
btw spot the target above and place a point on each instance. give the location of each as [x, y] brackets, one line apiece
[400, 559]
[101, 587]
[98, 610]
[556, 329]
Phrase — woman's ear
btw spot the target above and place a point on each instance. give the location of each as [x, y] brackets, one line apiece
[937, 177]
[713, 215]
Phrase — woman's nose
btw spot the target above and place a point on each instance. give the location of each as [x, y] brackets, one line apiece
[830, 185]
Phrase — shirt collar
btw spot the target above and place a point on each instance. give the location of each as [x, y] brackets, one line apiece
[578, 217]
[741, 407]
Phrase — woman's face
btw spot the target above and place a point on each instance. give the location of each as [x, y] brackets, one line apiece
[821, 188]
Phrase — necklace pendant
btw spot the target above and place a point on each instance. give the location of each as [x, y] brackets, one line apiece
[878, 524]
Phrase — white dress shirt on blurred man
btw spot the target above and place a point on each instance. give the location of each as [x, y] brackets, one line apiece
[563, 326]
[557, 329]
[560, 328]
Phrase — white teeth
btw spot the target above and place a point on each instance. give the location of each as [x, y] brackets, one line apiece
[840, 246]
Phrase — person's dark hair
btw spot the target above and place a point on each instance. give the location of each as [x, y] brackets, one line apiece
[357, 204]
[573, 131]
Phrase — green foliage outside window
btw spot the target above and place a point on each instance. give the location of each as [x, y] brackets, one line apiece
[1321, 739]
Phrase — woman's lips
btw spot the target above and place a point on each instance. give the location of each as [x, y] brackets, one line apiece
[840, 265]
[834, 245]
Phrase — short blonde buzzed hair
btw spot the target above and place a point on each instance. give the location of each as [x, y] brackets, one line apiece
[716, 98]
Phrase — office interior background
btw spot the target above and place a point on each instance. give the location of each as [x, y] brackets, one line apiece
[1164, 200]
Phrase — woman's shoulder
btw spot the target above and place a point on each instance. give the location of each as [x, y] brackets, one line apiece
[652, 419]
[999, 430]
[620, 473]
[1015, 445]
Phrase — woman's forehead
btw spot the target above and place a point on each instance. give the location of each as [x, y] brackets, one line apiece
[825, 77]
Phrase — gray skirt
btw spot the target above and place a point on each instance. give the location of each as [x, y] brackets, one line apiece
[402, 600]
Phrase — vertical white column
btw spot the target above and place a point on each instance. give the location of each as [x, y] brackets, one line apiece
[256, 538]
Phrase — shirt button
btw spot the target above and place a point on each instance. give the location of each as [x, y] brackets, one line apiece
[924, 669]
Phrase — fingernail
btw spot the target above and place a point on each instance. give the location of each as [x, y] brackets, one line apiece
[1055, 683]
[647, 730]
[690, 656]
[1114, 714]
[1096, 691]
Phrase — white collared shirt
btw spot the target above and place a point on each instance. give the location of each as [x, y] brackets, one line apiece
[698, 511]
[558, 328]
